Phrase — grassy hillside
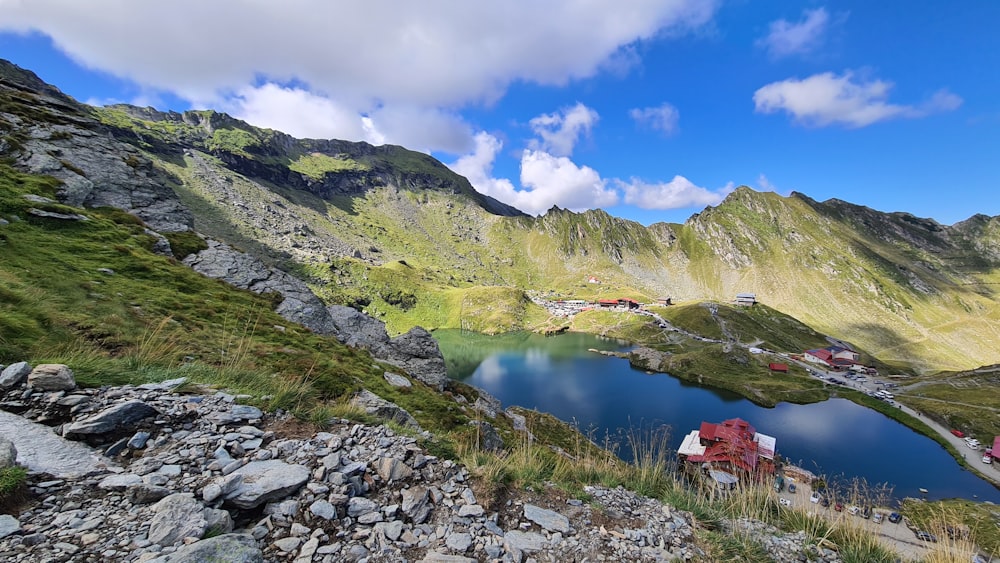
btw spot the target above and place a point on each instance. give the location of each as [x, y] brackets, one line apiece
[91, 294]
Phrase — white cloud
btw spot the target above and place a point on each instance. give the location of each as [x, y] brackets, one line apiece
[662, 118]
[556, 180]
[547, 180]
[786, 38]
[477, 167]
[560, 131]
[675, 194]
[765, 185]
[827, 99]
[297, 112]
[436, 53]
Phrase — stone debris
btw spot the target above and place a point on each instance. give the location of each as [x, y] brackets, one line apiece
[203, 478]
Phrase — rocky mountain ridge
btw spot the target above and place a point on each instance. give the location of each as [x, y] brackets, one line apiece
[397, 234]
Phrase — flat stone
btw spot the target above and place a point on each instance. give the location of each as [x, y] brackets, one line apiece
[323, 509]
[396, 380]
[524, 541]
[471, 510]
[246, 412]
[111, 419]
[138, 440]
[393, 529]
[547, 519]
[176, 517]
[288, 545]
[358, 506]
[8, 525]
[119, 482]
[459, 542]
[264, 481]
[231, 548]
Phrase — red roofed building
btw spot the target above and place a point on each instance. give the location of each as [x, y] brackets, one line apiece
[732, 445]
[783, 368]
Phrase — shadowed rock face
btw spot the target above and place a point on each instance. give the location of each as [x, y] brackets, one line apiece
[299, 303]
[415, 351]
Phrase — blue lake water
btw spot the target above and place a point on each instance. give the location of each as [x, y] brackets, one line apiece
[838, 438]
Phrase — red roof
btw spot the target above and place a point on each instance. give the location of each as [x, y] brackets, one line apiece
[777, 367]
[821, 353]
[996, 446]
[730, 441]
[608, 301]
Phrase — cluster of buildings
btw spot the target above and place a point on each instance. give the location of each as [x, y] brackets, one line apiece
[728, 452]
[836, 358]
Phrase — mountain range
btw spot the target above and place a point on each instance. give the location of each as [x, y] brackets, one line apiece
[399, 235]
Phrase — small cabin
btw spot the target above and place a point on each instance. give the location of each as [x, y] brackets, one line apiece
[745, 299]
[664, 301]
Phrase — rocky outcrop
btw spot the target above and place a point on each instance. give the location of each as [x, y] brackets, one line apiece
[14, 375]
[299, 304]
[416, 352]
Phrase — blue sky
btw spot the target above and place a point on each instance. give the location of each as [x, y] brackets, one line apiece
[650, 109]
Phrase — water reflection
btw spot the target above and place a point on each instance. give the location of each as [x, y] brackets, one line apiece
[837, 437]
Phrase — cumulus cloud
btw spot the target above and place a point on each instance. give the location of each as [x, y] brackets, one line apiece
[556, 180]
[675, 194]
[785, 38]
[559, 132]
[297, 112]
[439, 53]
[662, 118]
[477, 167]
[827, 99]
[765, 184]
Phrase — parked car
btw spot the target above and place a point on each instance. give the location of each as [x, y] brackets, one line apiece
[895, 517]
[958, 433]
[853, 510]
[925, 536]
[838, 507]
[877, 517]
[814, 498]
[791, 487]
[785, 502]
[824, 502]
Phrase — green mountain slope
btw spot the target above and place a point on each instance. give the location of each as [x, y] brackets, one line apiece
[396, 233]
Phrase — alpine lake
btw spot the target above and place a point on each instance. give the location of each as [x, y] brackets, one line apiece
[604, 396]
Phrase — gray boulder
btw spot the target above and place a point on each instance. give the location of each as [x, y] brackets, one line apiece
[8, 525]
[110, 419]
[299, 304]
[354, 328]
[396, 380]
[416, 352]
[417, 504]
[263, 481]
[176, 517]
[14, 375]
[547, 519]
[52, 377]
[230, 548]
[8, 453]
[386, 410]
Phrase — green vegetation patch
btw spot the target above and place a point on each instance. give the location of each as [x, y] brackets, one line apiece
[316, 165]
